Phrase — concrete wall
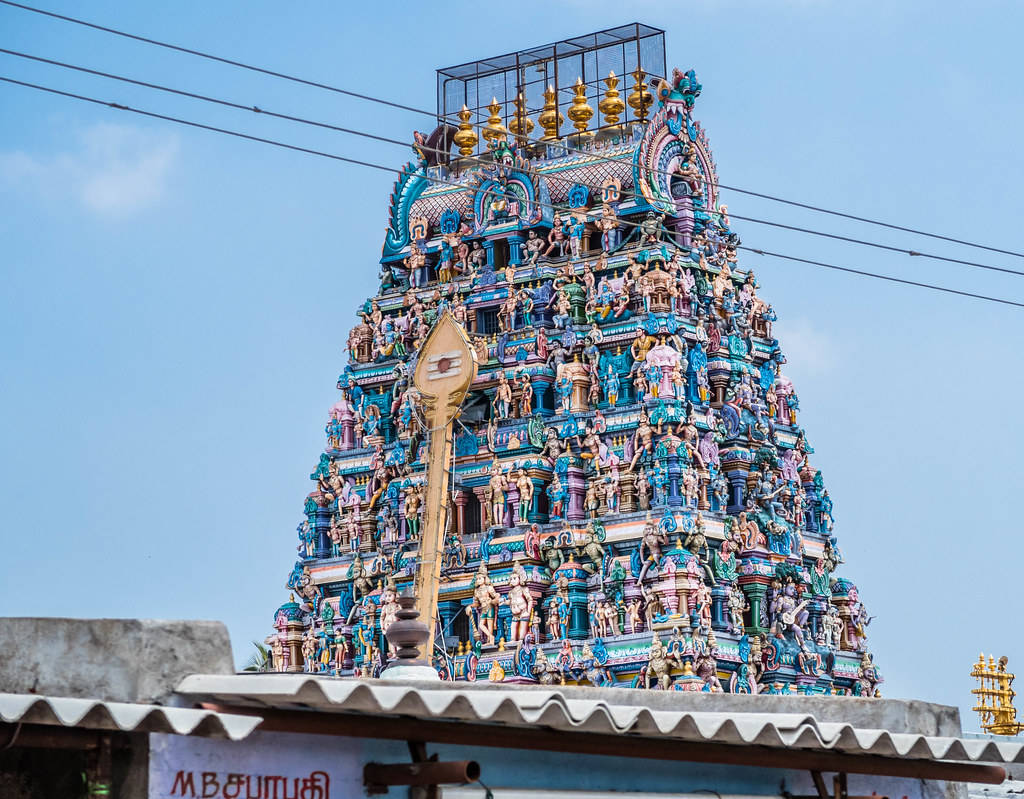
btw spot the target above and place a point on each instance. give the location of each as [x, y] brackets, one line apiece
[123, 660]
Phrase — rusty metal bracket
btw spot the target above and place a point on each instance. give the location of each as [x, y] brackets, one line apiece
[838, 789]
[819, 784]
[378, 777]
[12, 737]
[425, 773]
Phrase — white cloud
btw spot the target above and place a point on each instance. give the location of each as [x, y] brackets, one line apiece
[113, 170]
[808, 349]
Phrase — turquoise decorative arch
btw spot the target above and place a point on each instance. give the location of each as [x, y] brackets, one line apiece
[409, 186]
[516, 185]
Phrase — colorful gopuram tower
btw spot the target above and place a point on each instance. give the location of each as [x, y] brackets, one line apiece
[634, 501]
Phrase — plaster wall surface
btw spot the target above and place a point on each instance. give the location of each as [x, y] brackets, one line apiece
[117, 660]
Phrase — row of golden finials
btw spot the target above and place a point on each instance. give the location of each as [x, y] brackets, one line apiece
[550, 118]
[995, 697]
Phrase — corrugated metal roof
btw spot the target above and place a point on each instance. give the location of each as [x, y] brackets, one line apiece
[559, 709]
[123, 716]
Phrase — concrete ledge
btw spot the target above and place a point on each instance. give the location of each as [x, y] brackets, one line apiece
[115, 660]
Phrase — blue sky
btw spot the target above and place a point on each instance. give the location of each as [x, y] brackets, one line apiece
[175, 303]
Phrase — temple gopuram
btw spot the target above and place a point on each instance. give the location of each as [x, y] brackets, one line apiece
[633, 499]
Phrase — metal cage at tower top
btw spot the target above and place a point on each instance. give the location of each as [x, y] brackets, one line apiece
[527, 74]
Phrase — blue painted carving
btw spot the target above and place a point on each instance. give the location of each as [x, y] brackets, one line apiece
[578, 196]
[450, 220]
[407, 189]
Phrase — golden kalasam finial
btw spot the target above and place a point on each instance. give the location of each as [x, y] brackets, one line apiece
[612, 104]
[550, 118]
[520, 124]
[495, 129]
[995, 697]
[580, 111]
[640, 99]
[465, 137]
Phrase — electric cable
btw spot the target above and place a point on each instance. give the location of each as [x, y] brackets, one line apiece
[211, 57]
[433, 114]
[206, 98]
[380, 167]
[881, 277]
[388, 140]
[876, 245]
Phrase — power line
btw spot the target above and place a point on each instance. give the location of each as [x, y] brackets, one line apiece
[882, 277]
[433, 114]
[864, 219]
[206, 98]
[189, 123]
[876, 245]
[266, 112]
[219, 59]
[382, 168]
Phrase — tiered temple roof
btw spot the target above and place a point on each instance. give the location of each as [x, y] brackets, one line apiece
[634, 498]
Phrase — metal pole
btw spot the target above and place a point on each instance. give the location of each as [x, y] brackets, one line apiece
[428, 578]
[429, 772]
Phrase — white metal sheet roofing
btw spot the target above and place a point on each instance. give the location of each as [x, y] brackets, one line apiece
[123, 716]
[577, 710]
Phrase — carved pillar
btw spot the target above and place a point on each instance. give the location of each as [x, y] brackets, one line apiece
[848, 640]
[543, 397]
[718, 386]
[810, 519]
[719, 600]
[755, 591]
[343, 655]
[578, 306]
[815, 610]
[489, 249]
[577, 373]
[704, 485]
[323, 526]
[347, 439]
[367, 530]
[485, 507]
[461, 498]
[737, 490]
[674, 498]
[668, 589]
[513, 505]
[577, 486]
[579, 620]
[293, 643]
[403, 523]
[515, 251]
[540, 479]
[687, 585]
[627, 500]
